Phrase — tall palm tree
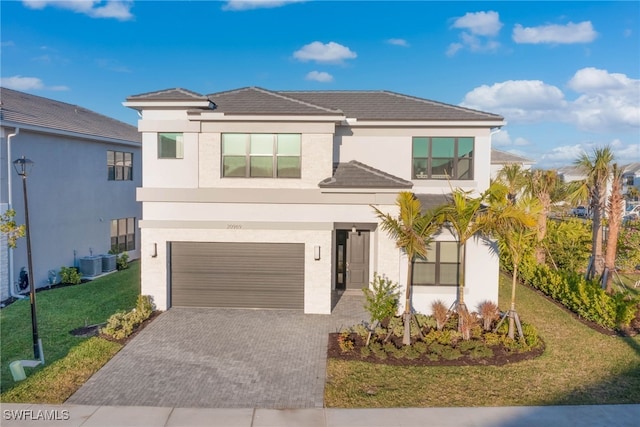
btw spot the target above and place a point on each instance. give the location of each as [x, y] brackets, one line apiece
[597, 168]
[468, 216]
[514, 227]
[547, 187]
[412, 232]
[615, 210]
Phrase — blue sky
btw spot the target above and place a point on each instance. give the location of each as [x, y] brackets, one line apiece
[565, 75]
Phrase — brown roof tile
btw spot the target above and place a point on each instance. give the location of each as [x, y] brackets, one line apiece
[358, 175]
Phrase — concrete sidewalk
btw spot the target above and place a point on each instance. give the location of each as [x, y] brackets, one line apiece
[14, 415]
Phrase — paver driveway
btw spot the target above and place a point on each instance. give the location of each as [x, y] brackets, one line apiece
[223, 358]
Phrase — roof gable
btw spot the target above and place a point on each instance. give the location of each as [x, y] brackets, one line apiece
[503, 157]
[258, 101]
[358, 175]
[175, 94]
[19, 108]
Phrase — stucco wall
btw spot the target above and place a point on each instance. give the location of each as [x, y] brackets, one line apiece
[71, 202]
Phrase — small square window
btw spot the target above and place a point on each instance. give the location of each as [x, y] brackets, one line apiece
[170, 146]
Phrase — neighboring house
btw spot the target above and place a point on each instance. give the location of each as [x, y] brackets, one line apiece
[81, 190]
[263, 199]
[499, 159]
[630, 177]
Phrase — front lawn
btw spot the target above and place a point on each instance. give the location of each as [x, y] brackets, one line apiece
[579, 366]
[60, 311]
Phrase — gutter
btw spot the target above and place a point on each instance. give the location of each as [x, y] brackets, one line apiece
[9, 203]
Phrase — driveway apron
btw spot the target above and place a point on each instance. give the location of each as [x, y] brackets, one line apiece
[223, 358]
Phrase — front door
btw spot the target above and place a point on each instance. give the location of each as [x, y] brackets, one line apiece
[358, 260]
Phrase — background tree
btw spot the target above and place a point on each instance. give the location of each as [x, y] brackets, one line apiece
[412, 232]
[514, 178]
[597, 168]
[9, 227]
[615, 211]
[547, 187]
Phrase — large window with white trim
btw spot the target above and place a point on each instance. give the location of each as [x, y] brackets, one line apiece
[261, 155]
[170, 145]
[442, 158]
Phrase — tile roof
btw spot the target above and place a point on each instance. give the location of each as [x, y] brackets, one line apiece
[358, 175]
[253, 100]
[30, 110]
[633, 168]
[385, 105]
[500, 157]
[361, 105]
[175, 94]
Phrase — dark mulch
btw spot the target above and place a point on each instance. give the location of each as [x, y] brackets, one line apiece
[501, 356]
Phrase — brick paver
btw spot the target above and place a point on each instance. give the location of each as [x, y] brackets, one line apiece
[223, 358]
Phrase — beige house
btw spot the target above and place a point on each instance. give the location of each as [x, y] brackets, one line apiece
[263, 199]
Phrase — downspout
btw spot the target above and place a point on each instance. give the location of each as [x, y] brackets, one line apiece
[9, 202]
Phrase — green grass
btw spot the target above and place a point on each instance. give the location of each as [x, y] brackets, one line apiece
[579, 366]
[60, 311]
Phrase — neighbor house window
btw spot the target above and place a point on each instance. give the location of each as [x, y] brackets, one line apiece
[261, 155]
[439, 267]
[123, 234]
[119, 166]
[442, 158]
[170, 146]
[630, 179]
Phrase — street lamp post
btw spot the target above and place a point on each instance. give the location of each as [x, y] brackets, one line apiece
[23, 167]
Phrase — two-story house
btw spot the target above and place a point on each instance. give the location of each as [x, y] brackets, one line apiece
[81, 189]
[263, 199]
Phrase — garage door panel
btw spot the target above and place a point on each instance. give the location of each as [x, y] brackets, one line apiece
[243, 275]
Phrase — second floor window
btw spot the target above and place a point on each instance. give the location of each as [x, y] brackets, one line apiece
[261, 155]
[170, 146]
[442, 158]
[119, 166]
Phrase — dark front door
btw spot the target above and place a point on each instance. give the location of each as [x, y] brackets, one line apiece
[358, 260]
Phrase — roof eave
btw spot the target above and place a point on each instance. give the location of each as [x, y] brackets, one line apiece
[79, 135]
[420, 123]
[167, 104]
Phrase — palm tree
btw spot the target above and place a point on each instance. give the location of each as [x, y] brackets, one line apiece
[615, 210]
[468, 216]
[514, 178]
[597, 168]
[547, 187]
[412, 233]
[514, 226]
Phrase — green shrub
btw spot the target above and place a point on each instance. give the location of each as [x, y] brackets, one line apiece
[365, 351]
[122, 324]
[381, 299]
[628, 255]
[122, 261]
[480, 352]
[70, 276]
[450, 353]
[361, 330]
[345, 342]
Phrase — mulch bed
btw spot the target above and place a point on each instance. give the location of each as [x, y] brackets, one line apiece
[94, 330]
[501, 356]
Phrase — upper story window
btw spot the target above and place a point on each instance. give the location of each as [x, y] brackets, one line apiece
[440, 267]
[119, 166]
[261, 155]
[170, 146]
[442, 158]
[630, 179]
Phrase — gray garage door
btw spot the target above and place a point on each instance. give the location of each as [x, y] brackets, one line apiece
[241, 275]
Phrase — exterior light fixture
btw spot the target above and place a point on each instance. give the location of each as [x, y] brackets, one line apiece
[316, 253]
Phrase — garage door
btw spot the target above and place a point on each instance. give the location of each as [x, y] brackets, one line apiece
[240, 275]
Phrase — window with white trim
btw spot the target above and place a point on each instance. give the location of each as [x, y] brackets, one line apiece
[440, 267]
[442, 158]
[261, 155]
[170, 145]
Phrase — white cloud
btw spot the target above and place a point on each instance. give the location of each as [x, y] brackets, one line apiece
[503, 139]
[565, 155]
[606, 101]
[117, 9]
[479, 28]
[398, 42]
[480, 23]
[27, 83]
[556, 34]
[238, 5]
[320, 52]
[319, 76]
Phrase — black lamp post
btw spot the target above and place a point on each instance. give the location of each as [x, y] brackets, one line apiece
[23, 167]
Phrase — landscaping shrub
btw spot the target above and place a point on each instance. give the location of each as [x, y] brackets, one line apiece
[439, 311]
[381, 300]
[122, 261]
[628, 254]
[489, 313]
[70, 276]
[122, 324]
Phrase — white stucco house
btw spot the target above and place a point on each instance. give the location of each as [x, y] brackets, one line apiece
[263, 199]
[499, 159]
[81, 189]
